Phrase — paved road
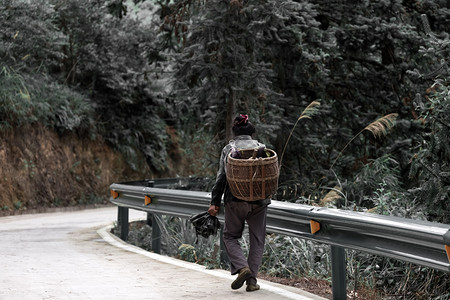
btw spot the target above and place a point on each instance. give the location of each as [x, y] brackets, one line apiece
[72, 255]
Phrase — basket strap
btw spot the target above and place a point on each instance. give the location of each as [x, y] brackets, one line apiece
[263, 168]
[251, 182]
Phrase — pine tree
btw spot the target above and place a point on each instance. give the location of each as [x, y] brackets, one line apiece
[431, 164]
[226, 64]
[28, 39]
[364, 53]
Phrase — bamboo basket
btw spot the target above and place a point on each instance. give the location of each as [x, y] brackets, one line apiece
[250, 178]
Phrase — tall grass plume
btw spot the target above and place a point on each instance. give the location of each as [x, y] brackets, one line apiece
[311, 110]
[378, 128]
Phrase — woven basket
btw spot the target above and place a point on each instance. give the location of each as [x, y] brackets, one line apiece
[252, 179]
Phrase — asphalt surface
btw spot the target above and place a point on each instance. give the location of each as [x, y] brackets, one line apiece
[72, 255]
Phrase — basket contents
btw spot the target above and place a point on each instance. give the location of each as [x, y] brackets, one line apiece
[252, 174]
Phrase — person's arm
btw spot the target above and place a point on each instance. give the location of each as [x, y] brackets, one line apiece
[213, 210]
[219, 186]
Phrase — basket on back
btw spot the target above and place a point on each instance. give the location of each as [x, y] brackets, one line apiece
[252, 179]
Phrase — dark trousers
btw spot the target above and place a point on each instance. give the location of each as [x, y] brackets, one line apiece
[236, 214]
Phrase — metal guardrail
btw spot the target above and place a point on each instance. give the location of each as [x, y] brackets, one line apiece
[419, 242]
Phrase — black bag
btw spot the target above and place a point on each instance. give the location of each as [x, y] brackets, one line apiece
[205, 224]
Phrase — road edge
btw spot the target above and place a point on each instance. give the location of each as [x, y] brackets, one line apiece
[285, 291]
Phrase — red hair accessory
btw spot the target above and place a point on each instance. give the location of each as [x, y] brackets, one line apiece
[244, 119]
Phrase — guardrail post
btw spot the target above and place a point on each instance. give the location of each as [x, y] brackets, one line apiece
[150, 219]
[338, 273]
[122, 222]
[223, 254]
[156, 235]
[150, 183]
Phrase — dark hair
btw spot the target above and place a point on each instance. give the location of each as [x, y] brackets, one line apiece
[242, 126]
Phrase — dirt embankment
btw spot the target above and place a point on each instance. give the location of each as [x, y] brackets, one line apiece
[41, 169]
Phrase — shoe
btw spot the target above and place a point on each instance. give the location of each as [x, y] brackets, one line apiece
[244, 274]
[252, 287]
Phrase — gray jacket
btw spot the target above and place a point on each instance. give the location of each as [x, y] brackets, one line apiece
[221, 186]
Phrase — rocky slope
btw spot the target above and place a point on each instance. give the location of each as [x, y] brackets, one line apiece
[40, 169]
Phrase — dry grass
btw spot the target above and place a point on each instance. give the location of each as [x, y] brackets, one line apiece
[311, 110]
[378, 128]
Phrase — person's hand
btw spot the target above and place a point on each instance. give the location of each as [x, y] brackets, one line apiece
[213, 210]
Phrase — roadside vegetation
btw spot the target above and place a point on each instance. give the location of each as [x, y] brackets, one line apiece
[159, 81]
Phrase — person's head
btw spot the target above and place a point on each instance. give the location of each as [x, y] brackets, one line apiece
[242, 126]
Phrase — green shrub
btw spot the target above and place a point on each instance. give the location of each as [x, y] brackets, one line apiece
[430, 167]
[28, 39]
[16, 107]
[188, 253]
[62, 107]
[27, 99]
[17, 204]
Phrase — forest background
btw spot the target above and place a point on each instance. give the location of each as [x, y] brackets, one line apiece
[94, 92]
